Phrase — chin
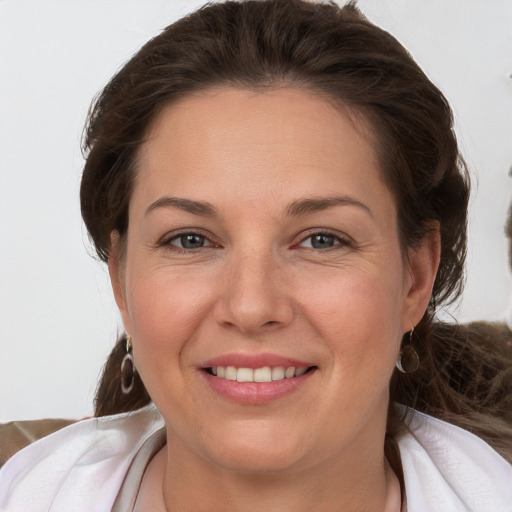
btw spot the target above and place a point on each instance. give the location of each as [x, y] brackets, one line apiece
[261, 449]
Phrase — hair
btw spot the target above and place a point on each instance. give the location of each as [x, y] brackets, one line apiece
[336, 52]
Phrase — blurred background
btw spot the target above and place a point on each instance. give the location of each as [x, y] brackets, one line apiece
[58, 320]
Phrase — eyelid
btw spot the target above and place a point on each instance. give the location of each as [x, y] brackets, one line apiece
[166, 240]
[343, 239]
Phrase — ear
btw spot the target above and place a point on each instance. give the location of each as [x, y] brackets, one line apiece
[422, 268]
[116, 268]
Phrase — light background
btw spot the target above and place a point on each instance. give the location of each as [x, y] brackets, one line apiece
[57, 316]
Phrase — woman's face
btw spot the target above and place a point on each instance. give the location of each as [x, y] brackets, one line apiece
[262, 237]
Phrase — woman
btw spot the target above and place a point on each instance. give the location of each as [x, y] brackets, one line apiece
[278, 194]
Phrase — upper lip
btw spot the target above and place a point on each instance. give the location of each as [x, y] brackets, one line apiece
[248, 360]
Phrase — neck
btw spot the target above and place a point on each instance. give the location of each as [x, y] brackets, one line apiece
[349, 483]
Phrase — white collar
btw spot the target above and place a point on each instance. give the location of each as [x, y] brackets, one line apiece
[449, 469]
[82, 467]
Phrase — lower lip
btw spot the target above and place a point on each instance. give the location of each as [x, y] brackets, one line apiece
[255, 393]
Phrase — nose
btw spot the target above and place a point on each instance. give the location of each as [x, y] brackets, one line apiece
[254, 296]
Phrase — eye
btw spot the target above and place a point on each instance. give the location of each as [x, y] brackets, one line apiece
[189, 241]
[324, 241]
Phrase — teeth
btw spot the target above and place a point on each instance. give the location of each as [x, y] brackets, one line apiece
[264, 374]
[244, 375]
[230, 373]
[278, 373]
[300, 371]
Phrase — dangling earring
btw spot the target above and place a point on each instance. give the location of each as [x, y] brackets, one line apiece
[408, 361]
[127, 369]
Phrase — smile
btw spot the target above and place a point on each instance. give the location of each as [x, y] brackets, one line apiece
[255, 379]
[263, 374]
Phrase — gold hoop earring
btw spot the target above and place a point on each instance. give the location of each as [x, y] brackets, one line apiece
[128, 369]
[408, 360]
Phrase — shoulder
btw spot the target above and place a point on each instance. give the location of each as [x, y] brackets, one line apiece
[86, 459]
[15, 435]
[449, 469]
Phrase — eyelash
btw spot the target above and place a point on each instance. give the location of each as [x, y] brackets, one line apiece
[166, 242]
[340, 241]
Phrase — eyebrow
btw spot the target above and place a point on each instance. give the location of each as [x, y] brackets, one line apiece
[201, 208]
[311, 205]
[294, 209]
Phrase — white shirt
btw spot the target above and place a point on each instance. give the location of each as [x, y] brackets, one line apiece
[82, 467]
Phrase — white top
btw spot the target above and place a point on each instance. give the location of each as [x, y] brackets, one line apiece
[95, 465]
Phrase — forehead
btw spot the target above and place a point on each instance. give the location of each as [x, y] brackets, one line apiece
[244, 140]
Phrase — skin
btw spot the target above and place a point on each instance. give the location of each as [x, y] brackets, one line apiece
[258, 285]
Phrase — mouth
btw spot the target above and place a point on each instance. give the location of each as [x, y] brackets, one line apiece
[251, 383]
[264, 374]
[255, 379]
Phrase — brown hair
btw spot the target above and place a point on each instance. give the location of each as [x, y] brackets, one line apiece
[325, 49]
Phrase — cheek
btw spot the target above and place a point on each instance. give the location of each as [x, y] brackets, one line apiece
[359, 315]
[165, 312]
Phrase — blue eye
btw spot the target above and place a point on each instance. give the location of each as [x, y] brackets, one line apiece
[189, 241]
[323, 241]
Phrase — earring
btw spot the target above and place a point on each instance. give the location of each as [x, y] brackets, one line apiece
[127, 369]
[408, 360]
